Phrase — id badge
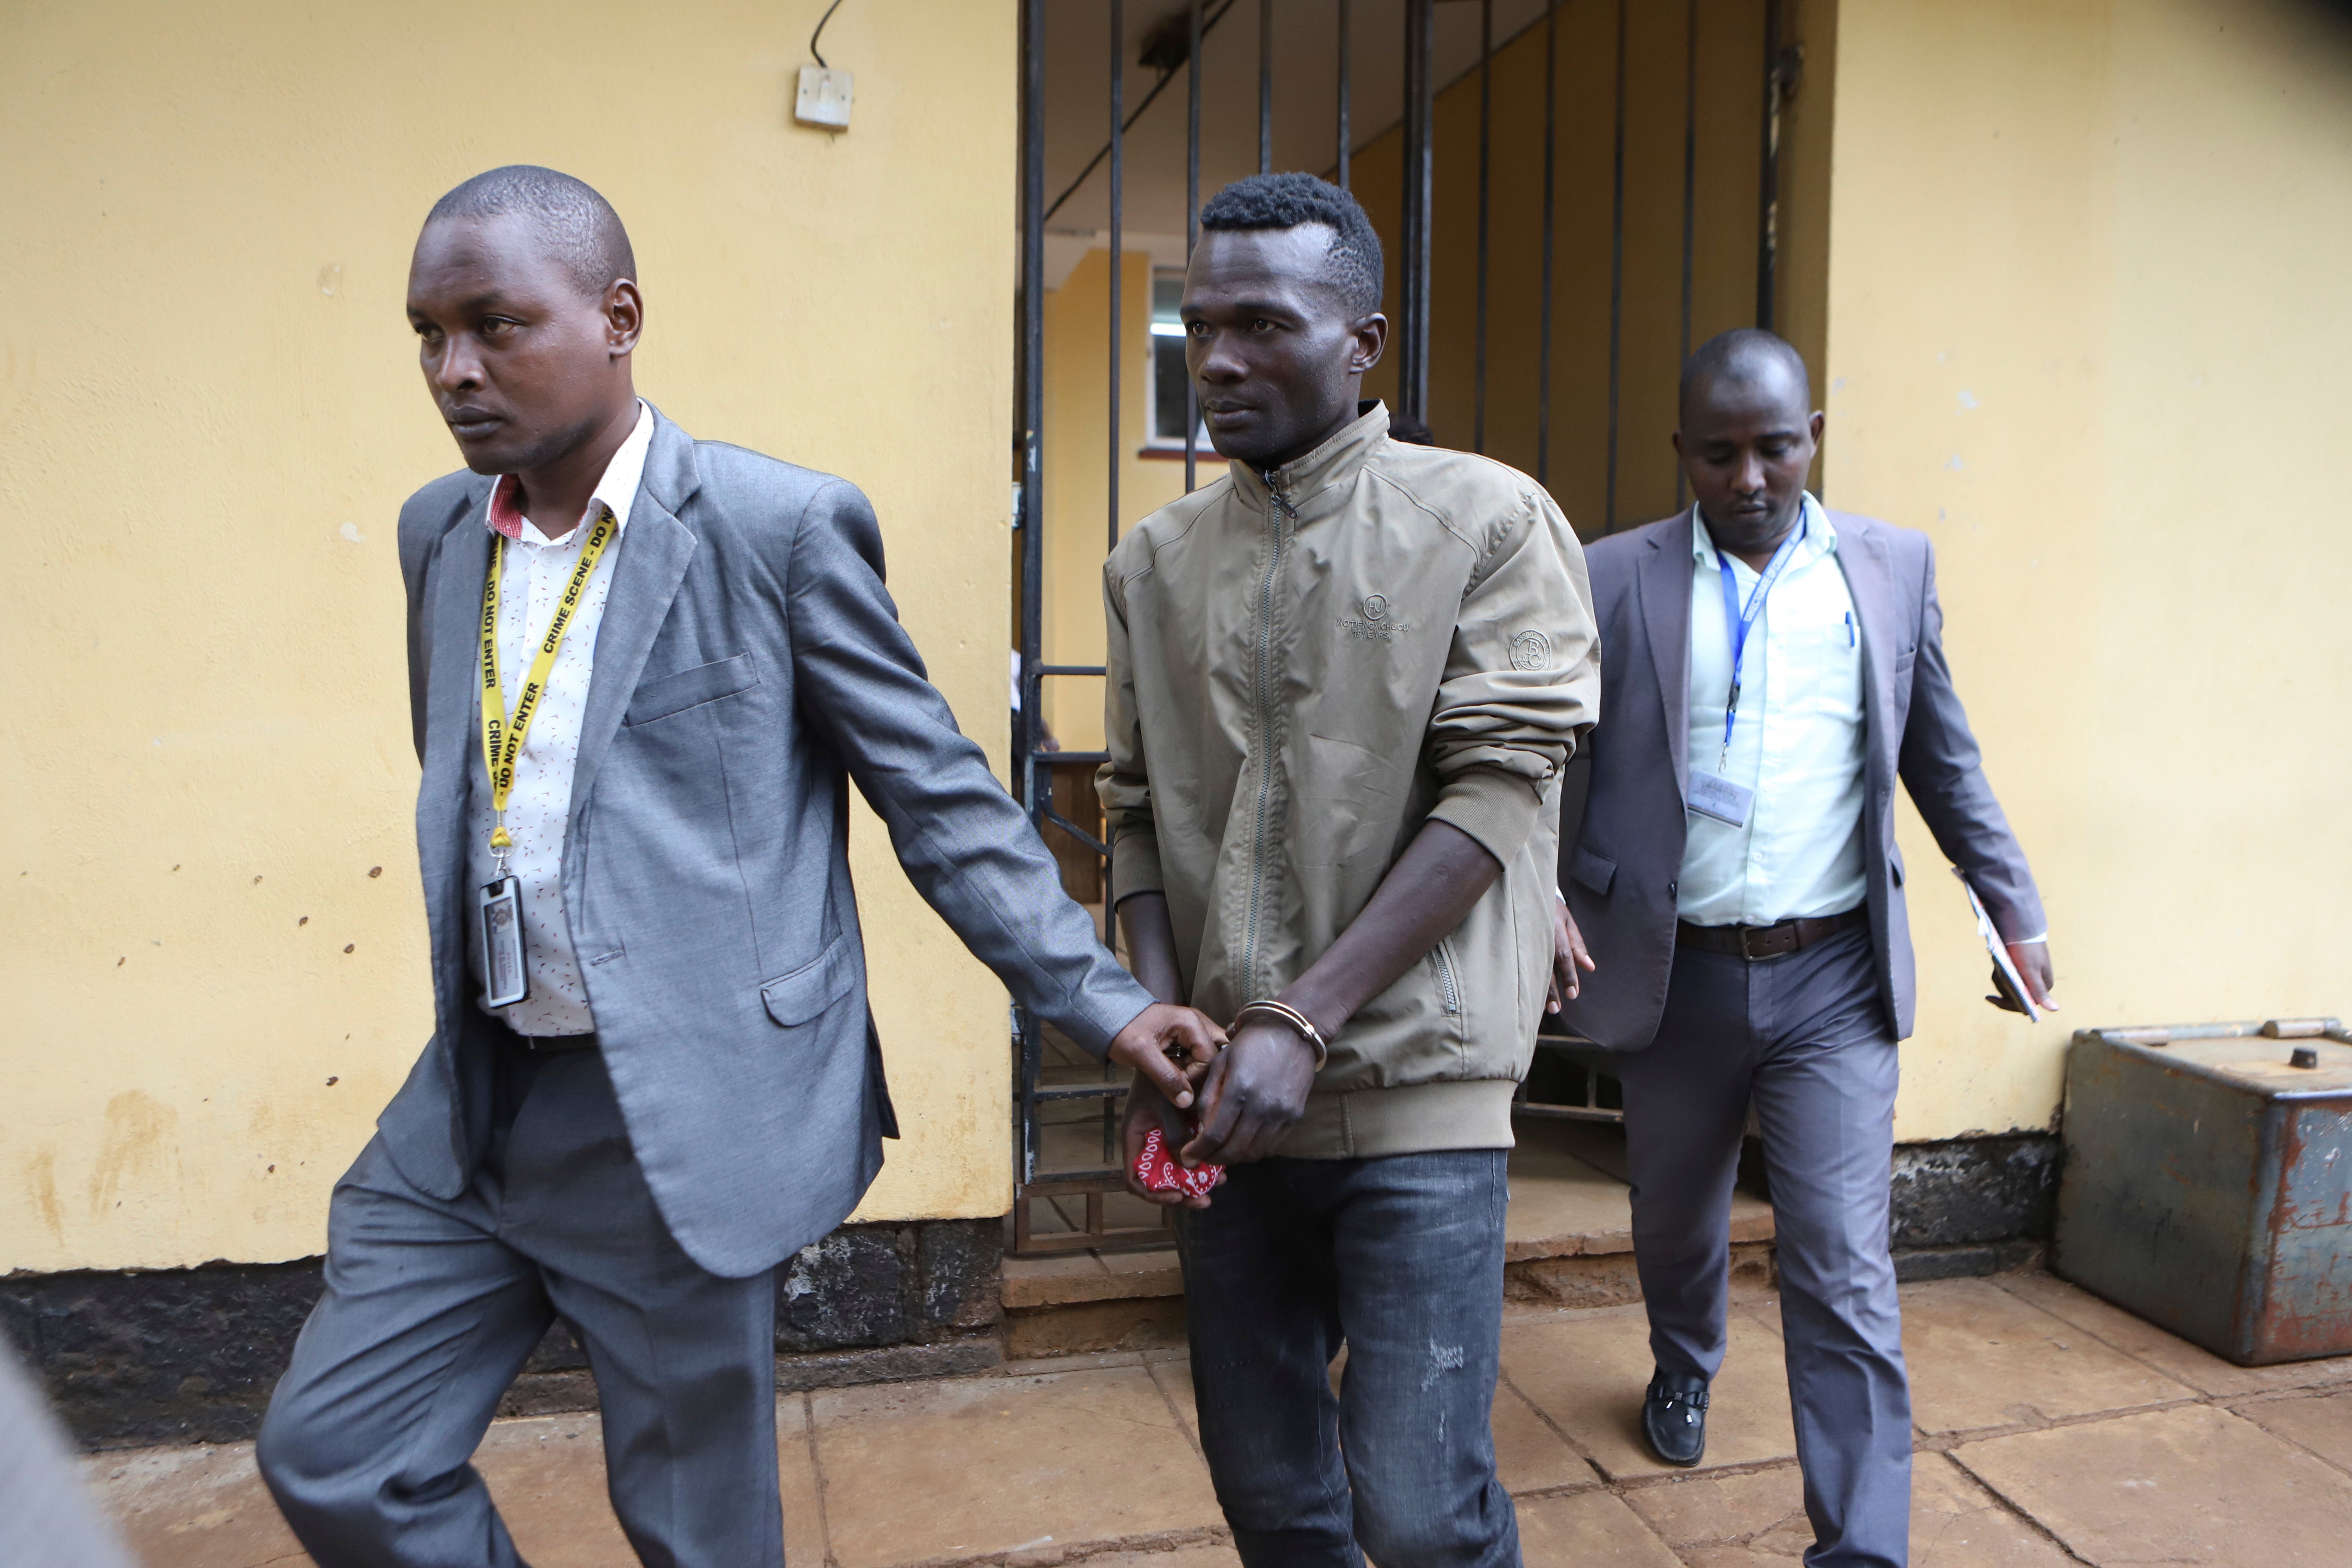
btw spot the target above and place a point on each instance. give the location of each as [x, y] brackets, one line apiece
[506, 980]
[1714, 795]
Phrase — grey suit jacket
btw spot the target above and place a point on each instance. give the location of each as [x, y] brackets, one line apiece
[1619, 869]
[748, 664]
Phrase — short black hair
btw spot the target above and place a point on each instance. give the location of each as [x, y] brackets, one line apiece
[576, 223]
[1286, 200]
[1743, 353]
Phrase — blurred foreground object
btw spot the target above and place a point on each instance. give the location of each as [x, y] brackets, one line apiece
[49, 1519]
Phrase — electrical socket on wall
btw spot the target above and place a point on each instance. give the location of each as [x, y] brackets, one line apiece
[824, 98]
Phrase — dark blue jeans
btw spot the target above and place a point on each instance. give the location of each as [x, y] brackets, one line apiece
[1400, 1260]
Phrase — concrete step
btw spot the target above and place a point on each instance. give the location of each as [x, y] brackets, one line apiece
[1568, 1242]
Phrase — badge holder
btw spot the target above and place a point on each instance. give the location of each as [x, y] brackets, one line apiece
[506, 979]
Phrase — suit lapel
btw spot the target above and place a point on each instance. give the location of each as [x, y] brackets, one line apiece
[1870, 580]
[453, 694]
[653, 552]
[1665, 583]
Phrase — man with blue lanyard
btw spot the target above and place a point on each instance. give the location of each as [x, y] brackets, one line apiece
[1773, 669]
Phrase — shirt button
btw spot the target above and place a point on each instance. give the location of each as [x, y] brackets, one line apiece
[1671, 889]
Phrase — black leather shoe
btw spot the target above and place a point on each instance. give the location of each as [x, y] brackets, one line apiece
[1673, 1416]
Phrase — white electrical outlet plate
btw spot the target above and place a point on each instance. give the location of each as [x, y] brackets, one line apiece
[824, 98]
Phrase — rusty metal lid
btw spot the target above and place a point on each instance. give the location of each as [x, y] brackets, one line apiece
[2274, 1057]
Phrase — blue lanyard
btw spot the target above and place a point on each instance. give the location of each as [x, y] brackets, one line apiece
[1737, 621]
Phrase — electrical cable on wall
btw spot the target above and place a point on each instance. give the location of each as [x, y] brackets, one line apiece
[824, 93]
[821, 21]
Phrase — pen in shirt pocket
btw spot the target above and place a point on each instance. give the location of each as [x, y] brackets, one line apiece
[1849, 628]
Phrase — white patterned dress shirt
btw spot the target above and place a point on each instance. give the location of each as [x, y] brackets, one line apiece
[539, 806]
[1798, 744]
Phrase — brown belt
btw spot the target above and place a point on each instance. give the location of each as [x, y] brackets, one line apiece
[1753, 943]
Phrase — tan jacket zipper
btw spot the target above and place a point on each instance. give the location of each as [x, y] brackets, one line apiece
[1280, 508]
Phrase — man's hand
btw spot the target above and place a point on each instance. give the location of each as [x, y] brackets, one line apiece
[2033, 961]
[1567, 956]
[1256, 1092]
[1147, 1107]
[1161, 1041]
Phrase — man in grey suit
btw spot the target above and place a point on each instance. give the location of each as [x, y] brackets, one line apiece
[1773, 667]
[642, 670]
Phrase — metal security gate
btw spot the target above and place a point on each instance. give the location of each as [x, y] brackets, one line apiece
[1325, 73]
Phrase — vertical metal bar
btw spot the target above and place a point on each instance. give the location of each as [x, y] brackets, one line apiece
[1690, 198]
[1118, 261]
[1485, 159]
[1413, 355]
[1028, 722]
[1616, 276]
[1550, 191]
[1266, 86]
[1767, 210]
[1192, 234]
[1347, 72]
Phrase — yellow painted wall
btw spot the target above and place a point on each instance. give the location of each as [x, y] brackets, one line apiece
[2085, 312]
[1077, 466]
[209, 414]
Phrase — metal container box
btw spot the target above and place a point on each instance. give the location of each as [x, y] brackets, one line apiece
[2208, 1185]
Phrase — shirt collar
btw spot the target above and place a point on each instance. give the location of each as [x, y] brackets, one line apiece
[1821, 535]
[617, 488]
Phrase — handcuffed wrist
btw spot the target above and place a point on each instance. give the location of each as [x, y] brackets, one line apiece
[1291, 1018]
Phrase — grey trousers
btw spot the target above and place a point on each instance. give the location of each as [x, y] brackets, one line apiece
[432, 1308]
[1806, 1040]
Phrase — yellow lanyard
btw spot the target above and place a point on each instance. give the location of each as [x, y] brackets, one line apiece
[502, 739]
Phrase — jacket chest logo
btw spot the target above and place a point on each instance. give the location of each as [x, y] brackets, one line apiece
[1372, 621]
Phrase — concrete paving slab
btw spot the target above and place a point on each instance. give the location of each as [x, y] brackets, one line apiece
[2190, 1486]
[805, 1538]
[1173, 1377]
[1955, 1523]
[546, 1476]
[2175, 1357]
[1723, 1510]
[2319, 1422]
[973, 1466]
[192, 1508]
[1587, 1371]
[208, 1507]
[1568, 1195]
[1051, 1280]
[1209, 1555]
[1529, 1457]
[1980, 1356]
[1560, 1207]
[1587, 1530]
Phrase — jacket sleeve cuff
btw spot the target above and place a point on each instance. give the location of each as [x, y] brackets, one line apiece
[1495, 808]
[1110, 1004]
[1135, 863]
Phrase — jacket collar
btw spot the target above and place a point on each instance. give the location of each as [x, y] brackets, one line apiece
[1664, 576]
[647, 572]
[1870, 581]
[1324, 475]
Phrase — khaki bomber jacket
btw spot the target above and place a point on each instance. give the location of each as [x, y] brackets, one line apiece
[1303, 668]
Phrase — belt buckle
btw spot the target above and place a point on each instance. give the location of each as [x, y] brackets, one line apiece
[1744, 954]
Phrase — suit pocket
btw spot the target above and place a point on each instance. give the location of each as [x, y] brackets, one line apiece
[801, 995]
[1593, 871]
[667, 694]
